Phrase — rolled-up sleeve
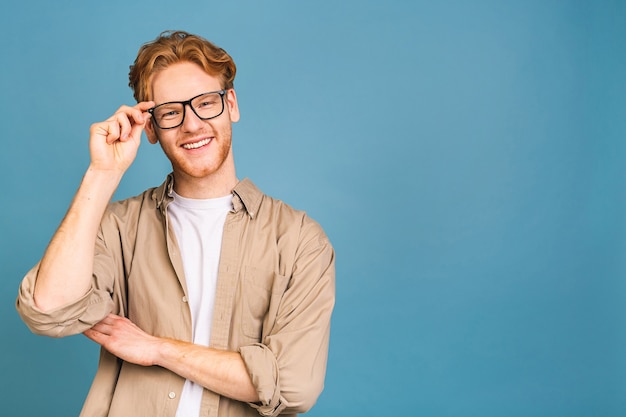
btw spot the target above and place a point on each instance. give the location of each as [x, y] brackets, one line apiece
[289, 366]
[263, 370]
[66, 320]
[78, 315]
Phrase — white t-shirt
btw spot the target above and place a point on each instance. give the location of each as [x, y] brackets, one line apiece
[198, 226]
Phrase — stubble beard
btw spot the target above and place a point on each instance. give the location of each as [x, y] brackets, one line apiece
[185, 167]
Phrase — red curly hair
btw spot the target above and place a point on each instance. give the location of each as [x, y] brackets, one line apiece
[171, 47]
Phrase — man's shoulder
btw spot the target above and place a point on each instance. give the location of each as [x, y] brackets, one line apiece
[134, 206]
[286, 217]
[258, 203]
[140, 199]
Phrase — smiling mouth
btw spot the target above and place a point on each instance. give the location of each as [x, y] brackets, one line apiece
[197, 145]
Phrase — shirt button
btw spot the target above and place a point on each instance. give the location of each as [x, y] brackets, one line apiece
[172, 395]
[184, 298]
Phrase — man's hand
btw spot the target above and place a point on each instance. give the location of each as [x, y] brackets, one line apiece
[114, 142]
[125, 340]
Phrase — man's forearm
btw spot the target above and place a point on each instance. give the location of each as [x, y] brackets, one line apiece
[67, 265]
[222, 372]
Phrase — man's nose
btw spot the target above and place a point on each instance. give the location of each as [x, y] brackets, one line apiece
[192, 122]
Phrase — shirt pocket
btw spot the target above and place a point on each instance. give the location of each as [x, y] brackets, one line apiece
[262, 292]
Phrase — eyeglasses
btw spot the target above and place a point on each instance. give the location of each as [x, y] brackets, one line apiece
[172, 114]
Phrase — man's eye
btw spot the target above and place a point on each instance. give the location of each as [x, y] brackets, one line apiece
[168, 114]
[206, 103]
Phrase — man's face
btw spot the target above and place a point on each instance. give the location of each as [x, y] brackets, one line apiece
[197, 149]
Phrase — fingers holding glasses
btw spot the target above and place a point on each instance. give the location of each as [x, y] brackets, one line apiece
[140, 117]
[114, 142]
[126, 122]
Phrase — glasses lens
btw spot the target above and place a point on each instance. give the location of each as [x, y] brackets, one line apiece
[208, 105]
[168, 115]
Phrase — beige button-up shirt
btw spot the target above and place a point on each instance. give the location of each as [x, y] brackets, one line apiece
[275, 295]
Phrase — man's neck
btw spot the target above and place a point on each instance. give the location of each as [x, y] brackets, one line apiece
[217, 185]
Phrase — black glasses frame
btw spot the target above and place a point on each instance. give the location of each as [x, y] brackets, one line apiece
[185, 104]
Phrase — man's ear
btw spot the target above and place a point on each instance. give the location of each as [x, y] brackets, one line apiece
[150, 133]
[233, 107]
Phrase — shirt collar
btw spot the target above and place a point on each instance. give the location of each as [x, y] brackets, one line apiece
[246, 196]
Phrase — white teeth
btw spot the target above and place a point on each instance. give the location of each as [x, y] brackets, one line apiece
[197, 144]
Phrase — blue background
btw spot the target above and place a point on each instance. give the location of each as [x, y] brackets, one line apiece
[467, 159]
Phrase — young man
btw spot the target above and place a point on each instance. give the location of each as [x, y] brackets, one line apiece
[208, 297]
